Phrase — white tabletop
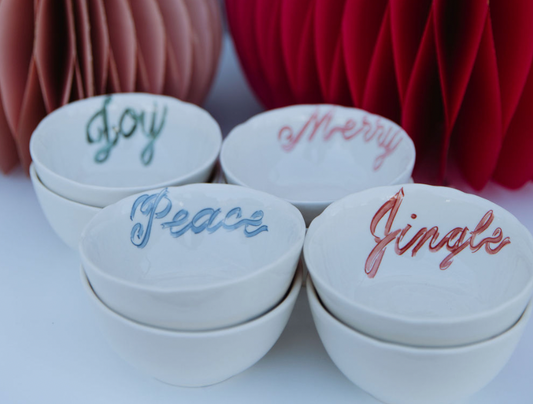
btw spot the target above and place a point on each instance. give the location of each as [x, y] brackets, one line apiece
[52, 352]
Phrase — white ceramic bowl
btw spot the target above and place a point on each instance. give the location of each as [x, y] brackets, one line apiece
[193, 359]
[99, 150]
[398, 374]
[67, 218]
[195, 257]
[360, 255]
[312, 155]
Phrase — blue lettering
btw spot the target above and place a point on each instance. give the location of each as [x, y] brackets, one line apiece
[257, 217]
[149, 205]
[178, 220]
[216, 226]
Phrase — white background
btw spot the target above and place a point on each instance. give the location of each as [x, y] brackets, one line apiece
[52, 352]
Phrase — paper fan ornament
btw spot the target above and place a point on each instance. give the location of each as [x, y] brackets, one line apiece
[457, 75]
[56, 51]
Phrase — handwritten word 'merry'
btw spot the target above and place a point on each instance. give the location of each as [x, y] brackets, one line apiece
[368, 128]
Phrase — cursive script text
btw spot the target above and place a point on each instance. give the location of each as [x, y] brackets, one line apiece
[158, 206]
[455, 241]
[369, 129]
[98, 130]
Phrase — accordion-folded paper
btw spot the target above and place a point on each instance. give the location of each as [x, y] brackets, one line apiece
[457, 75]
[56, 51]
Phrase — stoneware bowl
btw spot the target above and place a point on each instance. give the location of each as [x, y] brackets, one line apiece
[67, 218]
[399, 374]
[102, 149]
[193, 359]
[312, 155]
[421, 265]
[195, 257]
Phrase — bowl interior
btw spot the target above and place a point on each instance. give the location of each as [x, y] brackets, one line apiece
[317, 153]
[126, 140]
[192, 236]
[421, 252]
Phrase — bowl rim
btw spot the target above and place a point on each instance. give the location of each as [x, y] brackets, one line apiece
[388, 316]
[289, 297]
[314, 301]
[41, 167]
[275, 111]
[38, 183]
[289, 209]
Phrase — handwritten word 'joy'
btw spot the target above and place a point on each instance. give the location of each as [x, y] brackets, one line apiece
[368, 128]
[455, 241]
[158, 206]
[130, 120]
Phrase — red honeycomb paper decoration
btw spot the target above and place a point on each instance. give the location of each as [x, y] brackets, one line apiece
[56, 51]
[457, 75]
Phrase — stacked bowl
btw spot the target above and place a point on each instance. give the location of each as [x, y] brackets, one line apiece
[193, 284]
[92, 153]
[419, 293]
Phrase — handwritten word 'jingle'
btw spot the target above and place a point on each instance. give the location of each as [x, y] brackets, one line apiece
[128, 123]
[158, 206]
[369, 129]
[455, 241]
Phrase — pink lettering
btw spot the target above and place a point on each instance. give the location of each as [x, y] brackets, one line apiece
[317, 125]
[454, 241]
[287, 135]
